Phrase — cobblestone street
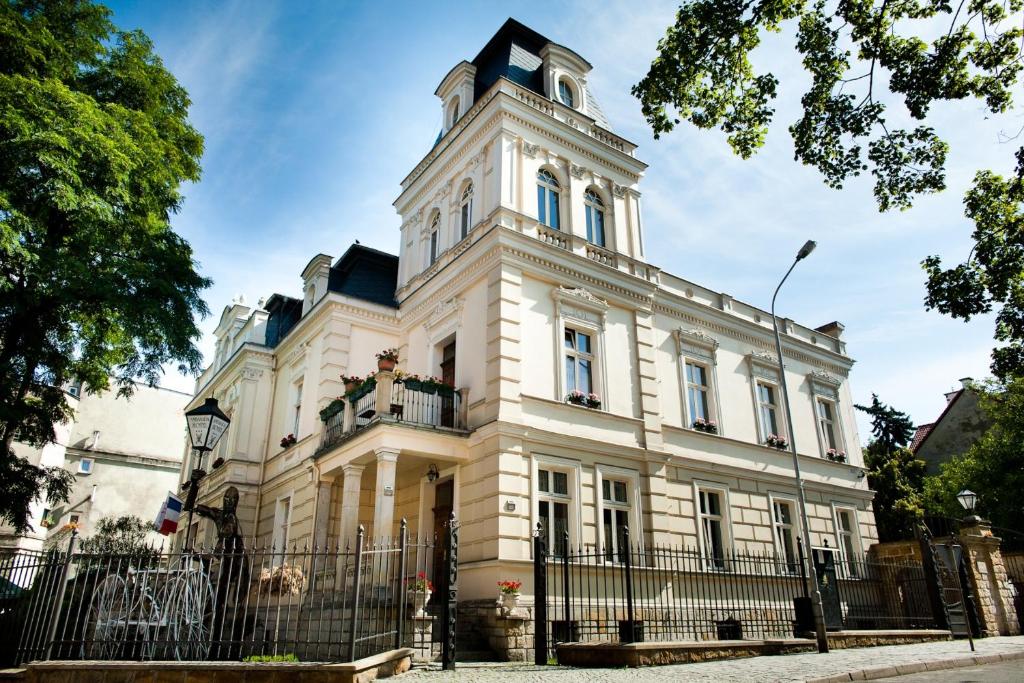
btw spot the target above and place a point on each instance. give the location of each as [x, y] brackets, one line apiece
[801, 667]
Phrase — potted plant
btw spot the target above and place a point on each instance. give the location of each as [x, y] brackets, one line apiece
[776, 441]
[332, 409]
[509, 593]
[576, 398]
[593, 401]
[351, 383]
[420, 590]
[289, 441]
[387, 360]
[706, 426]
[430, 385]
[835, 456]
[218, 463]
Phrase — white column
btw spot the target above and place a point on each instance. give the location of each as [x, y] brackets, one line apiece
[322, 515]
[384, 503]
[351, 486]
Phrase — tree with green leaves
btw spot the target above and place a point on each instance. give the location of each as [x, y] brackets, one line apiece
[95, 287]
[894, 473]
[993, 467]
[870, 63]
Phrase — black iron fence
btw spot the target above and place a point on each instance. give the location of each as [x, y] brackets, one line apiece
[331, 604]
[661, 593]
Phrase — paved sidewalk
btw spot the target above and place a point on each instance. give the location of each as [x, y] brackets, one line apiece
[875, 662]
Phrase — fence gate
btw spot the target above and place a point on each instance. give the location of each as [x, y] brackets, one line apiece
[951, 579]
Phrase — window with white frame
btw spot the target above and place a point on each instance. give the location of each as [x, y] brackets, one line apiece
[435, 226]
[566, 93]
[453, 112]
[768, 409]
[548, 195]
[826, 424]
[579, 342]
[466, 212]
[825, 394]
[553, 501]
[282, 517]
[698, 391]
[697, 360]
[615, 517]
[784, 530]
[594, 208]
[848, 537]
[86, 465]
[712, 522]
[579, 361]
[297, 409]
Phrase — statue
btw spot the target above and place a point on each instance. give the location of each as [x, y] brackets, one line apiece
[229, 535]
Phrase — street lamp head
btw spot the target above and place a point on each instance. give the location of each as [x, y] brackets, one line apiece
[206, 425]
[968, 499]
[806, 250]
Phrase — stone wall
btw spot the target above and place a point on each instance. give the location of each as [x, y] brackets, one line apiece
[484, 626]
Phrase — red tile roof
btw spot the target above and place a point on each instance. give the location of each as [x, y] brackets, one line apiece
[920, 435]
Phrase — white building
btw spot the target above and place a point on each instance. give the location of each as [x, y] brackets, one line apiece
[522, 276]
[125, 454]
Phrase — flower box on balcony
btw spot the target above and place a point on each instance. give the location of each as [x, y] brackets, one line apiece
[332, 409]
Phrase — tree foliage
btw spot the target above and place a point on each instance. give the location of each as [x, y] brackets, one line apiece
[94, 146]
[993, 467]
[868, 60]
[895, 474]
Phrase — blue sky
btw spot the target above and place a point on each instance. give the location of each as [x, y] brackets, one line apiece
[313, 112]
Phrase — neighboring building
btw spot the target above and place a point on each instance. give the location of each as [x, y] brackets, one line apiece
[522, 276]
[125, 455]
[961, 424]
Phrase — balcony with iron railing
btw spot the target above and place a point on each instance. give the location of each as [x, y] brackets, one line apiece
[389, 399]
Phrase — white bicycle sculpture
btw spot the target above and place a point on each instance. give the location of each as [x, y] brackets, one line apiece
[151, 613]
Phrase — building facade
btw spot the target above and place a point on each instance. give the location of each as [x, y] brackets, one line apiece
[125, 455]
[521, 278]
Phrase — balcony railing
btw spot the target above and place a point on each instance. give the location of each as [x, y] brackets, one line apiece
[394, 401]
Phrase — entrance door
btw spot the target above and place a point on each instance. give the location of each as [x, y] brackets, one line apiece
[448, 377]
[949, 569]
[444, 496]
[828, 587]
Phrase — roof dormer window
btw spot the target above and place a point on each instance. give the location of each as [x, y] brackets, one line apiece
[453, 112]
[566, 93]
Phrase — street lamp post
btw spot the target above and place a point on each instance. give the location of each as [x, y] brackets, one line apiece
[819, 620]
[206, 425]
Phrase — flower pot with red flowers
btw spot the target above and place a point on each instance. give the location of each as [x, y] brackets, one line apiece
[387, 360]
[509, 594]
[706, 426]
[351, 383]
[835, 456]
[289, 441]
[776, 441]
[576, 398]
[593, 401]
[420, 590]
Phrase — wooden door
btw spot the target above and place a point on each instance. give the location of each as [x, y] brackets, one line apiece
[448, 377]
[444, 496]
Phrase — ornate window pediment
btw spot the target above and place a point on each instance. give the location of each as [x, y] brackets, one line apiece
[824, 384]
[764, 365]
[696, 343]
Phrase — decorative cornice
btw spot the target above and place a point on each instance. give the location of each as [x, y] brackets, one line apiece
[763, 365]
[695, 343]
[579, 295]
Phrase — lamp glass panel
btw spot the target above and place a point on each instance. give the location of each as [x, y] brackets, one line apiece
[198, 429]
[217, 428]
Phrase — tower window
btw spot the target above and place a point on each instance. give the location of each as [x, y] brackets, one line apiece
[565, 93]
[435, 223]
[595, 217]
[453, 112]
[466, 212]
[547, 199]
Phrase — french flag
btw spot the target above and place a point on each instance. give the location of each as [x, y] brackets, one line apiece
[170, 511]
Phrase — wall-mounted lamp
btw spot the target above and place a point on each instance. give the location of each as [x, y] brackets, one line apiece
[861, 474]
[510, 506]
[432, 473]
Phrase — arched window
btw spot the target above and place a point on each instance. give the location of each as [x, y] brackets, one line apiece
[595, 217]
[547, 199]
[566, 94]
[453, 112]
[435, 224]
[466, 212]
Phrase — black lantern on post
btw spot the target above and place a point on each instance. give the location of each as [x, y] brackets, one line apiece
[206, 426]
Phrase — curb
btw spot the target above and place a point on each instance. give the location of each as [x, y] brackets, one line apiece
[917, 667]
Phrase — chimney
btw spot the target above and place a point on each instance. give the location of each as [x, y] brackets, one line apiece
[832, 329]
[967, 382]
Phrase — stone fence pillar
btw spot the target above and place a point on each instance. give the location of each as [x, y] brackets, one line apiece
[986, 570]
